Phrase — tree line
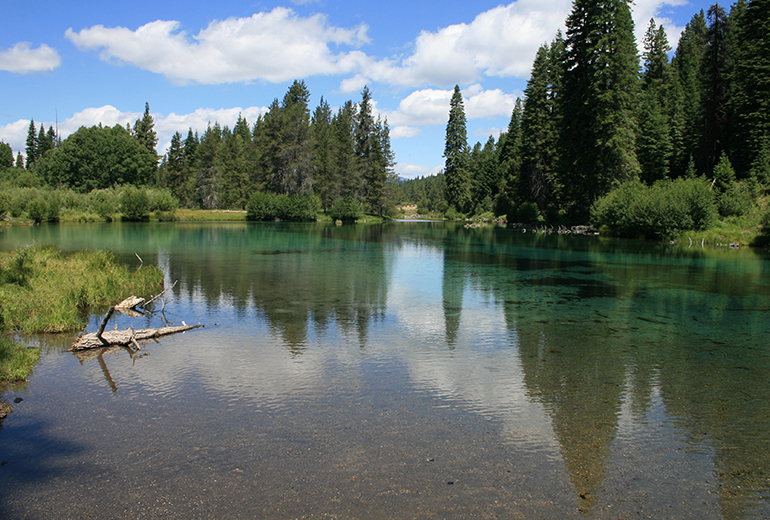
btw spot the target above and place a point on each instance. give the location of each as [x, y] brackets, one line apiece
[593, 119]
[331, 156]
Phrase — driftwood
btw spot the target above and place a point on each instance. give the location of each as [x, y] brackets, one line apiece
[126, 338]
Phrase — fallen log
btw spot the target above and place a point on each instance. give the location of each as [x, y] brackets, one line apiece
[125, 338]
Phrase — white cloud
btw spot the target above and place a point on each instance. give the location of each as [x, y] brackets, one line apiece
[15, 133]
[199, 120]
[431, 106]
[399, 132]
[411, 171]
[499, 42]
[22, 59]
[644, 10]
[273, 46]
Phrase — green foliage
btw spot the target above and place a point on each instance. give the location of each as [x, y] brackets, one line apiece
[43, 290]
[265, 206]
[6, 156]
[134, 204]
[528, 213]
[458, 184]
[635, 210]
[346, 209]
[163, 200]
[97, 158]
[104, 203]
[736, 201]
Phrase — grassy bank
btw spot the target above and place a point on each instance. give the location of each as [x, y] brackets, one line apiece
[44, 290]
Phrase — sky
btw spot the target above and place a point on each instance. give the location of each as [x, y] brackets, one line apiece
[82, 63]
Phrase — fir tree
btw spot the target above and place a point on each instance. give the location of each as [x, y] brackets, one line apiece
[31, 149]
[654, 144]
[598, 139]
[716, 68]
[458, 185]
[144, 130]
[752, 82]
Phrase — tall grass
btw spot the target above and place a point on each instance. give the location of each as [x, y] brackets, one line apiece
[43, 290]
[16, 361]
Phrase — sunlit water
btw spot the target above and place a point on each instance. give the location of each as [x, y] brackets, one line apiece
[409, 370]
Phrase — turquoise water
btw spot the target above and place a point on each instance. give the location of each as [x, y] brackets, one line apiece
[405, 370]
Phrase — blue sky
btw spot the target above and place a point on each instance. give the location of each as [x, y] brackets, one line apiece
[195, 62]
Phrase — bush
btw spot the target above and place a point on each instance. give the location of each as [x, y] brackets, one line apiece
[104, 203]
[37, 210]
[528, 213]
[452, 214]
[263, 206]
[659, 211]
[164, 200]
[134, 204]
[736, 201]
[346, 209]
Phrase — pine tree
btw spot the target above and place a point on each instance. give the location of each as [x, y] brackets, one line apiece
[144, 130]
[31, 149]
[349, 183]
[293, 167]
[325, 184]
[44, 142]
[752, 87]
[539, 128]
[654, 144]
[685, 94]
[458, 185]
[598, 139]
[716, 69]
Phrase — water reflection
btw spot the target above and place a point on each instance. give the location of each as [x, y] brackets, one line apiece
[640, 371]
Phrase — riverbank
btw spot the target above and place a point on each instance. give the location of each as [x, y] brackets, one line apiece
[44, 290]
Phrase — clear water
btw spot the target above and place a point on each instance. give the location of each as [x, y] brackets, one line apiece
[405, 370]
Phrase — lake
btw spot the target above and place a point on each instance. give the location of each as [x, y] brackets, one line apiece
[404, 370]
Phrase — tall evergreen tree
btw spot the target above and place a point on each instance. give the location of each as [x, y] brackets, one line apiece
[598, 139]
[292, 170]
[325, 181]
[752, 82]
[144, 130]
[716, 68]
[349, 183]
[32, 144]
[458, 184]
[685, 94]
[654, 144]
[540, 122]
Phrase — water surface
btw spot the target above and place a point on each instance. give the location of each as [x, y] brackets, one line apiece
[405, 370]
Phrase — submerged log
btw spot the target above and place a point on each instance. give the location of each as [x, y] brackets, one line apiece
[125, 338]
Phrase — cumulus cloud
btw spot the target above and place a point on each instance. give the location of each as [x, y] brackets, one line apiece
[498, 42]
[15, 133]
[431, 106]
[644, 10]
[273, 46]
[23, 59]
[411, 171]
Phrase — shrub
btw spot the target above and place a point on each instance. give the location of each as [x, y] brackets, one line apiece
[659, 211]
[164, 200]
[346, 209]
[37, 210]
[528, 213]
[736, 201]
[265, 206]
[134, 204]
[261, 206]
